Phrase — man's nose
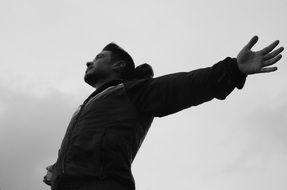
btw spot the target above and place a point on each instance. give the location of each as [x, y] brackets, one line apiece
[89, 63]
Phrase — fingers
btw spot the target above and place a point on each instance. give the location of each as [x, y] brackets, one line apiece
[270, 47]
[272, 61]
[252, 42]
[268, 69]
[273, 54]
[45, 180]
[49, 168]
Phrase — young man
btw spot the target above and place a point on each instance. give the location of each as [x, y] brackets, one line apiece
[108, 129]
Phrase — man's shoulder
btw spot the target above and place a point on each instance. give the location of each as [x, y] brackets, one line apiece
[137, 84]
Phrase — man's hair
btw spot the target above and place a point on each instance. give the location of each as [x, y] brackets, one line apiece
[130, 72]
[119, 53]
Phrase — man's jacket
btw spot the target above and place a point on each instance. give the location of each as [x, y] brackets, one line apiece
[106, 132]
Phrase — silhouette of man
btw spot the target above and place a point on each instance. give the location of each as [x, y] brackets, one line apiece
[108, 129]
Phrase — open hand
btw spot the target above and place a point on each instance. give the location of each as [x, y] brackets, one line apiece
[251, 62]
[47, 178]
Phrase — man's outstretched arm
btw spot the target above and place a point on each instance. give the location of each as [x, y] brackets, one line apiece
[171, 93]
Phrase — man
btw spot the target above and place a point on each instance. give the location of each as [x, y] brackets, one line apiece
[107, 130]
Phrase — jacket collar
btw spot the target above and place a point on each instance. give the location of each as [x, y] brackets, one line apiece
[102, 88]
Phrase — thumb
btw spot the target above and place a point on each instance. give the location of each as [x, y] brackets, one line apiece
[252, 42]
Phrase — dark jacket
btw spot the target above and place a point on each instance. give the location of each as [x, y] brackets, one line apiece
[106, 132]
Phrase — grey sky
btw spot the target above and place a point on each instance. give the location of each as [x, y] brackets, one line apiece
[238, 143]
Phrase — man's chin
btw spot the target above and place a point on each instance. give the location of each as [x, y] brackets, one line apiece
[89, 80]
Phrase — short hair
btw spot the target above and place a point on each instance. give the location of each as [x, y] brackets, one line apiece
[119, 53]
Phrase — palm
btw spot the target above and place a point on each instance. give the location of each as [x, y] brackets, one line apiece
[250, 62]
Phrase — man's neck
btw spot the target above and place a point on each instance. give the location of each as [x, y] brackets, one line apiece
[112, 82]
[101, 83]
[108, 83]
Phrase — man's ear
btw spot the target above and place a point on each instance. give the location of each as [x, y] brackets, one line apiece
[118, 66]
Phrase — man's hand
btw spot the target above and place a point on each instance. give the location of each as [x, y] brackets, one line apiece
[48, 176]
[250, 62]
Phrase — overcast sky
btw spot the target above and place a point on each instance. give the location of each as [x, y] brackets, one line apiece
[239, 143]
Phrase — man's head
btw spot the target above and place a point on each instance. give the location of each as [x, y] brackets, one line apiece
[112, 63]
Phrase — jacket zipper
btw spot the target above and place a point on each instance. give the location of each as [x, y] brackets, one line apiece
[77, 117]
[68, 140]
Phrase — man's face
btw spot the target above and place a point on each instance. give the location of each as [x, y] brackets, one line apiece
[99, 69]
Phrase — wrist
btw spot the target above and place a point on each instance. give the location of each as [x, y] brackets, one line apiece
[238, 76]
[239, 69]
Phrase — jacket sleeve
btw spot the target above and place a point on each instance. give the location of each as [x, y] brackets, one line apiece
[174, 92]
